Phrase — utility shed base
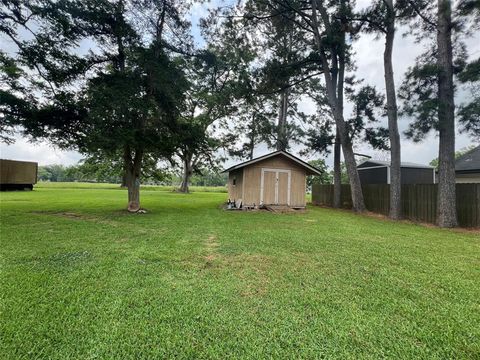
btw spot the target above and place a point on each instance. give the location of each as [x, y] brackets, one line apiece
[283, 208]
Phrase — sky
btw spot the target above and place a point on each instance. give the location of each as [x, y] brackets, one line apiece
[369, 60]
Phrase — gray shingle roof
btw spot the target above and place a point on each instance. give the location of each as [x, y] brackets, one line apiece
[469, 161]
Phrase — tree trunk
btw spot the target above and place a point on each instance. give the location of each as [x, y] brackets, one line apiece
[132, 176]
[133, 186]
[250, 152]
[337, 173]
[334, 72]
[349, 157]
[395, 150]
[336, 104]
[446, 205]
[355, 184]
[187, 174]
[124, 179]
[282, 141]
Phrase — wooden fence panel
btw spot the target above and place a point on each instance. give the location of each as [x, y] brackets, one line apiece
[468, 203]
[419, 201]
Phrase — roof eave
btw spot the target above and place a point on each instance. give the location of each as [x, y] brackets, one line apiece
[468, 171]
[308, 167]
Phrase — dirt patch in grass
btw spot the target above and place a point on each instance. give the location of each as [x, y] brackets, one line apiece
[211, 246]
[210, 257]
[211, 242]
[77, 216]
[210, 261]
[257, 262]
[252, 270]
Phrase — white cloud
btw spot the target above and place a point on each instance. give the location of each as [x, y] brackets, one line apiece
[42, 153]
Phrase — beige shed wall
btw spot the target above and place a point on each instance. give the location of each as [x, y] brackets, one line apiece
[252, 179]
[253, 174]
[235, 191]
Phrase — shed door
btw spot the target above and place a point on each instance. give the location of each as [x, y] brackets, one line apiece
[282, 189]
[275, 187]
[269, 187]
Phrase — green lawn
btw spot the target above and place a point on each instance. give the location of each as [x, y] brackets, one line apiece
[80, 278]
[83, 185]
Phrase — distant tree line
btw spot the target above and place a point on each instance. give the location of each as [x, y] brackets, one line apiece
[88, 172]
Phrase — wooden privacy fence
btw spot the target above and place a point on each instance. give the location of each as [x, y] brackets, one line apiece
[419, 201]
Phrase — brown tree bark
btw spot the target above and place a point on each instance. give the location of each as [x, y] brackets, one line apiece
[282, 140]
[337, 173]
[355, 184]
[446, 205]
[124, 180]
[186, 175]
[133, 167]
[392, 114]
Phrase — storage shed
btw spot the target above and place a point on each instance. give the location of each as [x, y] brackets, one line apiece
[378, 172]
[278, 178]
[17, 175]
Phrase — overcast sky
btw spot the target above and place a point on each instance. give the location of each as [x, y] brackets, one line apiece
[369, 55]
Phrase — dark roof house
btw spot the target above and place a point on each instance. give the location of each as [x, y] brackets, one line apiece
[467, 167]
[378, 172]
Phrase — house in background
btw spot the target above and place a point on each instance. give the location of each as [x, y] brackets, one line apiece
[378, 172]
[278, 178]
[467, 167]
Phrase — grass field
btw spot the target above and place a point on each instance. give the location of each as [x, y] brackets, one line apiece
[81, 278]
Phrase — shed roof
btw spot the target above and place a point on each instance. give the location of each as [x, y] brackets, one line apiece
[403, 164]
[469, 162]
[311, 170]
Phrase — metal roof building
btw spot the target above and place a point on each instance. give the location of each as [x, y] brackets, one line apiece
[378, 172]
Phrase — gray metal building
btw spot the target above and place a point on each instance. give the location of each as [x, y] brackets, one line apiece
[378, 172]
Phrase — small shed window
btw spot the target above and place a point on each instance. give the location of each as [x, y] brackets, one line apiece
[234, 182]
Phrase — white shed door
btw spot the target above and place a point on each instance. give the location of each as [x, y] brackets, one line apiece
[275, 187]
